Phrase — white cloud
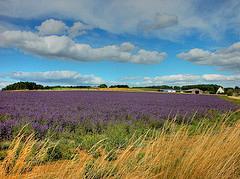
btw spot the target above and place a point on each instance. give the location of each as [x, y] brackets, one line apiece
[226, 58]
[4, 26]
[218, 77]
[211, 17]
[57, 27]
[127, 47]
[185, 79]
[4, 84]
[57, 77]
[52, 27]
[76, 78]
[65, 48]
[178, 79]
[160, 21]
[78, 29]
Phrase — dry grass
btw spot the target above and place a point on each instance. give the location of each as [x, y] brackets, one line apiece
[211, 152]
[235, 97]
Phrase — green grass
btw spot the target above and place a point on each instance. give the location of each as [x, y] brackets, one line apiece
[235, 101]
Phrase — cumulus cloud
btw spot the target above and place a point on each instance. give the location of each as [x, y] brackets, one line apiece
[76, 78]
[52, 27]
[185, 79]
[211, 17]
[218, 77]
[65, 48]
[78, 29]
[177, 79]
[58, 27]
[57, 77]
[225, 58]
[127, 47]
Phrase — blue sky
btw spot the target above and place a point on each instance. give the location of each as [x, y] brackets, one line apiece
[140, 43]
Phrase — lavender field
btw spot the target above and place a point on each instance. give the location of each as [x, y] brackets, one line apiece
[62, 109]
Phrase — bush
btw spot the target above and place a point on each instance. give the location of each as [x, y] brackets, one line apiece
[229, 92]
[62, 150]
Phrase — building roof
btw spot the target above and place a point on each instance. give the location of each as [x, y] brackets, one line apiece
[220, 90]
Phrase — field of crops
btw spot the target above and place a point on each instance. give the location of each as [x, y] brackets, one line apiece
[97, 134]
[67, 109]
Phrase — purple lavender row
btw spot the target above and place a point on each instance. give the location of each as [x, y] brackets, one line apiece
[46, 109]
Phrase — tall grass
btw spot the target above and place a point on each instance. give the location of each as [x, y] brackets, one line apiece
[174, 151]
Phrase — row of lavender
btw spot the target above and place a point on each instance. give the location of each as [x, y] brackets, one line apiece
[44, 110]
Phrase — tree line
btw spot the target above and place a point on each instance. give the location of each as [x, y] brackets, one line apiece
[211, 88]
[33, 86]
[23, 86]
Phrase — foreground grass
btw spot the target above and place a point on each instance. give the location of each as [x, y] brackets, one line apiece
[202, 150]
[116, 134]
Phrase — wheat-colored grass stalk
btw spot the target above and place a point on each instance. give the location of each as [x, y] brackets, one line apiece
[173, 152]
[20, 156]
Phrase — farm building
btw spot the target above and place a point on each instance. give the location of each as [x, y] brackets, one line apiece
[194, 91]
[167, 90]
[220, 90]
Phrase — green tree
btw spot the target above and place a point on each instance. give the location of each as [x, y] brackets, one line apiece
[23, 86]
[102, 86]
[229, 92]
[211, 88]
[119, 86]
[177, 87]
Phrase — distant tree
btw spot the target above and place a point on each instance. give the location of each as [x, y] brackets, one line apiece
[165, 87]
[63, 87]
[229, 91]
[177, 87]
[78, 86]
[119, 86]
[23, 86]
[159, 87]
[211, 88]
[102, 86]
[237, 90]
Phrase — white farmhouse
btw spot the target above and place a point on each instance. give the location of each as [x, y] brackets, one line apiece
[168, 90]
[220, 90]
